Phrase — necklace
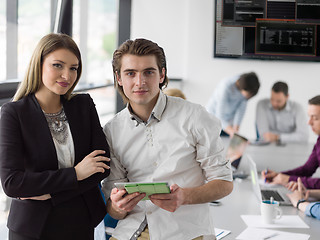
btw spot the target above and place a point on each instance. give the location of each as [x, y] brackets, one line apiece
[57, 123]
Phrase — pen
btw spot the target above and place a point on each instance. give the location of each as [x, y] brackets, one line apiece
[219, 233]
[271, 236]
[266, 172]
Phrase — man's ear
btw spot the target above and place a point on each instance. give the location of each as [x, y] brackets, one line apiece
[118, 79]
[163, 74]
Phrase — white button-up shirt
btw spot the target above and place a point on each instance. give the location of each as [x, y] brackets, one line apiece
[179, 144]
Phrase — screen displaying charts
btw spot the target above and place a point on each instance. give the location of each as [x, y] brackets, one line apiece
[268, 29]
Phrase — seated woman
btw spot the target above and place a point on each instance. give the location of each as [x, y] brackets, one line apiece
[299, 199]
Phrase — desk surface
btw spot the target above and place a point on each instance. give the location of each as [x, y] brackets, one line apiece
[277, 158]
[242, 201]
[280, 158]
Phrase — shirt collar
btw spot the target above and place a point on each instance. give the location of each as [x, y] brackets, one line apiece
[160, 106]
[156, 112]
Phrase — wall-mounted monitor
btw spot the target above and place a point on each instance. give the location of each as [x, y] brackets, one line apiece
[267, 29]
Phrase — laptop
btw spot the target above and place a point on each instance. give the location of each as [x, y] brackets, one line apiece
[236, 148]
[278, 192]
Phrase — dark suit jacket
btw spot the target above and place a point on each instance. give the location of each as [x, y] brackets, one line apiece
[29, 164]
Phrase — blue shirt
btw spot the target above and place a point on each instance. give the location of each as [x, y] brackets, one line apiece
[313, 210]
[227, 103]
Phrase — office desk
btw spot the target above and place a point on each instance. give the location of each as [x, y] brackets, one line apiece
[277, 158]
[242, 201]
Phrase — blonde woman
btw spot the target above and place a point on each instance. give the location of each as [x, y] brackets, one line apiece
[53, 152]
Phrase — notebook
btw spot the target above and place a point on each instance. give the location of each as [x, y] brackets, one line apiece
[278, 192]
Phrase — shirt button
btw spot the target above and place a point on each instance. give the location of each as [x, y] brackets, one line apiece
[155, 164]
[149, 212]
[138, 232]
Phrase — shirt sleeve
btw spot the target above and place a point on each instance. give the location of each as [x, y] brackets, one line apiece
[222, 106]
[117, 171]
[313, 210]
[307, 170]
[301, 133]
[210, 150]
[261, 118]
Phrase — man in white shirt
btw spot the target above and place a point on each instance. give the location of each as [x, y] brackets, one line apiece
[161, 138]
[279, 119]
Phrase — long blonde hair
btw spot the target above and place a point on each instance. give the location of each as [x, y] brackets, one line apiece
[48, 44]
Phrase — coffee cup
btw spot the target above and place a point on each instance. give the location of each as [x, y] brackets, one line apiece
[270, 211]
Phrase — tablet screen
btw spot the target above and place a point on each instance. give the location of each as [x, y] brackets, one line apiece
[144, 187]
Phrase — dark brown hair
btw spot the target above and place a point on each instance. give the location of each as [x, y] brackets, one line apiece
[315, 100]
[249, 82]
[281, 87]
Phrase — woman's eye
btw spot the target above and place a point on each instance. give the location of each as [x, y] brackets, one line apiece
[74, 69]
[57, 65]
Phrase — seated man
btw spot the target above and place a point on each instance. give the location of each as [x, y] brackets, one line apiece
[309, 168]
[300, 199]
[229, 100]
[280, 119]
[161, 138]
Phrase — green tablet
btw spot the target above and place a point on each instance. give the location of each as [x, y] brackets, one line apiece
[144, 187]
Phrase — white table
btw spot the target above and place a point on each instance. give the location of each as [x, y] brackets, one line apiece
[280, 158]
[242, 201]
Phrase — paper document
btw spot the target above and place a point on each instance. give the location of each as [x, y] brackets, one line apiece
[286, 221]
[220, 233]
[264, 234]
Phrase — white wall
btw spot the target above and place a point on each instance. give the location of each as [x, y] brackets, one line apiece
[185, 29]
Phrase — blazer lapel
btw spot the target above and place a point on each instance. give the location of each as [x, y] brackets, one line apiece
[41, 134]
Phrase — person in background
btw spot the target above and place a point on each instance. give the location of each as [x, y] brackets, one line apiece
[305, 171]
[53, 152]
[229, 100]
[280, 119]
[175, 92]
[299, 198]
[161, 138]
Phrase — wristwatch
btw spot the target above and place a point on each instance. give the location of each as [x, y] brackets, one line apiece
[300, 201]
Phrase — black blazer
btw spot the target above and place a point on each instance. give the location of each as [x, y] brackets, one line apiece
[29, 164]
